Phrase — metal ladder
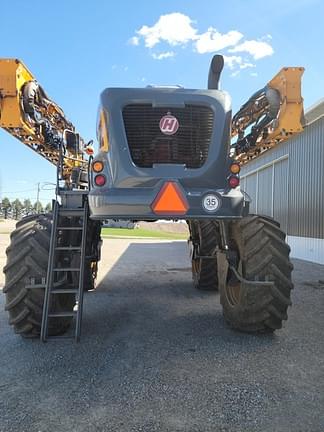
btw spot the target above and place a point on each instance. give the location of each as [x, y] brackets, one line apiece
[59, 213]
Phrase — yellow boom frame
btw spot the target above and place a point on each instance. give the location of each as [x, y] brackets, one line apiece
[13, 76]
[290, 118]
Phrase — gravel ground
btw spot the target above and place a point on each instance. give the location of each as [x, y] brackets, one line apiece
[7, 225]
[155, 355]
[172, 227]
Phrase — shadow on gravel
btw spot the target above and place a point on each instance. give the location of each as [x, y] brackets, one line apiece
[149, 295]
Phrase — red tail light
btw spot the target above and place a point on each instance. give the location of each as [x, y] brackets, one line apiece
[100, 180]
[233, 181]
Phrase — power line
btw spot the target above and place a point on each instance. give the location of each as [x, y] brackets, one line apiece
[37, 199]
[45, 185]
[15, 192]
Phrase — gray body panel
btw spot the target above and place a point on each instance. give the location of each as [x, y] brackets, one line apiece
[130, 190]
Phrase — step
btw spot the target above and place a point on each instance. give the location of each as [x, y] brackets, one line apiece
[71, 212]
[64, 291]
[41, 285]
[60, 337]
[68, 248]
[70, 228]
[61, 314]
[66, 269]
[35, 286]
[74, 192]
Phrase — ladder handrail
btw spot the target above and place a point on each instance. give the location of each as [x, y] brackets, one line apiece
[81, 273]
[50, 273]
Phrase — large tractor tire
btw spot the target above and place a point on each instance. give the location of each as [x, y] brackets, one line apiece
[205, 235]
[93, 245]
[261, 255]
[27, 259]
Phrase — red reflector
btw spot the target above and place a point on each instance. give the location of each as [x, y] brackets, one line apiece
[170, 200]
[233, 181]
[100, 180]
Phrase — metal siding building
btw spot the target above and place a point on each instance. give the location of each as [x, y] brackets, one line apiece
[287, 183]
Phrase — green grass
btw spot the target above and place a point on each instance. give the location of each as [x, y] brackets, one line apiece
[140, 232]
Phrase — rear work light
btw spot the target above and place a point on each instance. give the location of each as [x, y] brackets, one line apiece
[233, 181]
[97, 166]
[100, 180]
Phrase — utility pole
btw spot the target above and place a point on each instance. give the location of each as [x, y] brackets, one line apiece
[37, 200]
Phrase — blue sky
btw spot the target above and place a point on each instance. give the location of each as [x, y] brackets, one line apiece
[77, 48]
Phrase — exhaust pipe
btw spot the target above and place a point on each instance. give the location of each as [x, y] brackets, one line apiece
[215, 70]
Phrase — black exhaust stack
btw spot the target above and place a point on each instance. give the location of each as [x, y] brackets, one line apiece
[215, 70]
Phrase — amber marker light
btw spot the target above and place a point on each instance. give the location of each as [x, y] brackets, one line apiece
[235, 168]
[97, 166]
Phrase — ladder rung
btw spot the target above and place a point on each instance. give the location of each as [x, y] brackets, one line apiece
[61, 314]
[68, 248]
[69, 228]
[64, 291]
[71, 212]
[42, 285]
[73, 192]
[62, 269]
[60, 337]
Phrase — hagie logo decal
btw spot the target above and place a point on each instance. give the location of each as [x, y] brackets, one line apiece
[169, 124]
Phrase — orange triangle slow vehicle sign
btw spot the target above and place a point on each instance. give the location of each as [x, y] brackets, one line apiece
[170, 200]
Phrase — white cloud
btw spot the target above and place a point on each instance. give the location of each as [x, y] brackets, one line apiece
[254, 74]
[134, 40]
[177, 29]
[235, 73]
[233, 62]
[163, 55]
[245, 65]
[257, 49]
[174, 28]
[213, 41]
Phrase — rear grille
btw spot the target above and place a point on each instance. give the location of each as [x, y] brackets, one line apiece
[148, 145]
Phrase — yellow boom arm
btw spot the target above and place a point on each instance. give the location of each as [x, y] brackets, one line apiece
[270, 116]
[28, 114]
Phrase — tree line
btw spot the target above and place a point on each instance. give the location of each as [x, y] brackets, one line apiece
[16, 209]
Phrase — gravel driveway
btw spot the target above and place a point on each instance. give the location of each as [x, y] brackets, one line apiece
[155, 355]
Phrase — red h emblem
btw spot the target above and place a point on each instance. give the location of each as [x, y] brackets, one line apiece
[169, 124]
